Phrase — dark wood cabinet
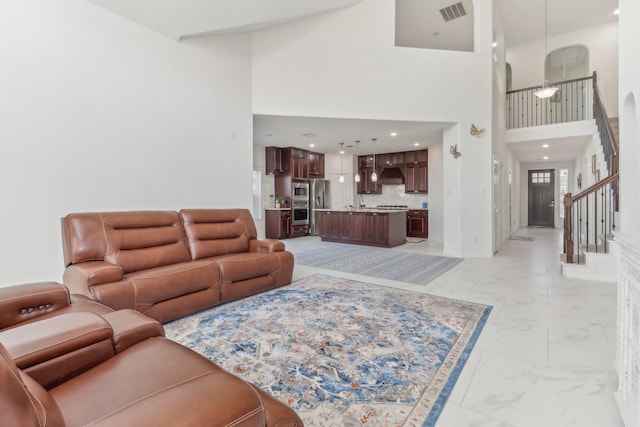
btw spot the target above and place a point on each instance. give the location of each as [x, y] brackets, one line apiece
[415, 178]
[352, 226]
[299, 230]
[364, 228]
[316, 165]
[366, 186]
[273, 161]
[365, 161]
[415, 156]
[418, 223]
[277, 224]
[416, 172]
[390, 160]
[376, 228]
[298, 161]
[331, 225]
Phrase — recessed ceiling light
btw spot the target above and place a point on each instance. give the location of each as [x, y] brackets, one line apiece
[394, 134]
[312, 145]
[545, 158]
[416, 143]
[494, 44]
[616, 12]
[545, 145]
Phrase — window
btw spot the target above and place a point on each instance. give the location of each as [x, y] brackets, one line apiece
[541, 178]
[564, 187]
[567, 63]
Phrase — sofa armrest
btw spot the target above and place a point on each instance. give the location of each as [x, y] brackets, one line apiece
[81, 277]
[130, 327]
[268, 245]
[25, 302]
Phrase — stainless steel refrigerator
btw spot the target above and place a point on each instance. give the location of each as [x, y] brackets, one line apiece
[319, 198]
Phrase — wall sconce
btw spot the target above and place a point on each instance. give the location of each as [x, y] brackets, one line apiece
[454, 151]
[476, 131]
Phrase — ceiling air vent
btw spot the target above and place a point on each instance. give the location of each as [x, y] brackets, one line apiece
[452, 12]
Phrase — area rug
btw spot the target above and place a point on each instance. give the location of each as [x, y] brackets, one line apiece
[342, 352]
[382, 263]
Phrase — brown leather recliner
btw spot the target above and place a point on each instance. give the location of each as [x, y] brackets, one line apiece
[63, 366]
[153, 383]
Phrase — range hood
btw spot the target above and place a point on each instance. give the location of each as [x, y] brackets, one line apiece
[391, 176]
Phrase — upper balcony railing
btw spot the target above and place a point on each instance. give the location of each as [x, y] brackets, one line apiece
[572, 102]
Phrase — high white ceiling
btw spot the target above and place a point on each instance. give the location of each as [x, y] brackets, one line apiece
[523, 22]
[185, 18]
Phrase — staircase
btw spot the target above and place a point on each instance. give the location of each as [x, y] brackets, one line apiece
[591, 215]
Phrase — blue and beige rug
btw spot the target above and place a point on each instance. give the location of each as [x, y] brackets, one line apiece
[383, 263]
[342, 352]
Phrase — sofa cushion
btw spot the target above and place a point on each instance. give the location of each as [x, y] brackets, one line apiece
[158, 382]
[142, 240]
[212, 232]
[171, 281]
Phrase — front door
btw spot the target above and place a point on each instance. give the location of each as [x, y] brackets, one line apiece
[541, 202]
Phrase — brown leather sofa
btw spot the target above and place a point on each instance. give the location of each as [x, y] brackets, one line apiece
[67, 363]
[168, 264]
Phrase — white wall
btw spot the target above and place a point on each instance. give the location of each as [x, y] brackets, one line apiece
[345, 65]
[527, 60]
[99, 113]
[629, 122]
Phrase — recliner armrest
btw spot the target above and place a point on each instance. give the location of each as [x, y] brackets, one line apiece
[131, 327]
[268, 245]
[81, 277]
[21, 303]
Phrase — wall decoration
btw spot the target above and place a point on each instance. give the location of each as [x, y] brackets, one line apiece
[454, 151]
[579, 181]
[593, 164]
[476, 131]
[597, 175]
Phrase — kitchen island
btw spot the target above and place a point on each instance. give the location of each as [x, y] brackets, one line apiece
[372, 227]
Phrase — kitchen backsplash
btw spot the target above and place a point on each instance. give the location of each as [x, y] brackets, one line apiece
[394, 195]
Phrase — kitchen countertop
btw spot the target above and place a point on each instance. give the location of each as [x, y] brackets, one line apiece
[373, 210]
[277, 209]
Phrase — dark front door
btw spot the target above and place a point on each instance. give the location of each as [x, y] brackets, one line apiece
[541, 203]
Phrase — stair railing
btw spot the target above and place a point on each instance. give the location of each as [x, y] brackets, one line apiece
[589, 219]
[607, 137]
[590, 215]
[572, 102]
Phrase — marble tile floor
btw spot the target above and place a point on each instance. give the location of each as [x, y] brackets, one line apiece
[546, 355]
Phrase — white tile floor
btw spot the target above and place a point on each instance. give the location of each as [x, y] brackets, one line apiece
[546, 355]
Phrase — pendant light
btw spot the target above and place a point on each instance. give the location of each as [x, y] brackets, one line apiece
[545, 91]
[356, 177]
[374, 175]
[341, 179]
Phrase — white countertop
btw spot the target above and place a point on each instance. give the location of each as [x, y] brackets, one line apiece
[277, 209]
[365, 210]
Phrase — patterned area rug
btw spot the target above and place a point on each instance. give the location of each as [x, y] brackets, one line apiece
[342, 352]
[383, 263]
